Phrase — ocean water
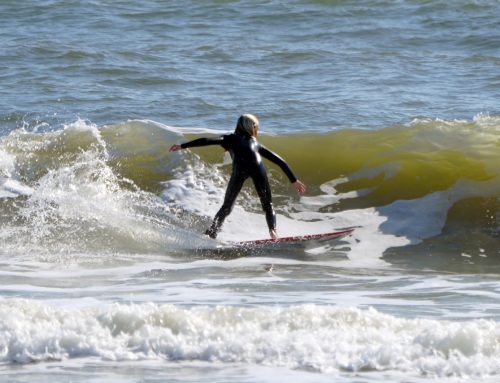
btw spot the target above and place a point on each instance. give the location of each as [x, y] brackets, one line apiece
[387, 110]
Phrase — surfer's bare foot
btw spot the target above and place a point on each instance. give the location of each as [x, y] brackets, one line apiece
[273, 234]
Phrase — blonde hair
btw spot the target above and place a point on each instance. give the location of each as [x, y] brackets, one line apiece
[247, 125]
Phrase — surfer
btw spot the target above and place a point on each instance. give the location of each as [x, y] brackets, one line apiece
[246, 154]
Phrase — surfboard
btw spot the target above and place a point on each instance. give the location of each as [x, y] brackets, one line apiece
[299, 239]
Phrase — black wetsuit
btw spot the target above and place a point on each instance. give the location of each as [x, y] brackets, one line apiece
[246, 153]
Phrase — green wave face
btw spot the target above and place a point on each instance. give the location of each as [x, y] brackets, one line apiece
[428, 166]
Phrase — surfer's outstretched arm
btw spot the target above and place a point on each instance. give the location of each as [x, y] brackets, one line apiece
[273, 157]
[197, 143]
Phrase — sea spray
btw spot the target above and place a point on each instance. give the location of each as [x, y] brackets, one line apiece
[74, 198]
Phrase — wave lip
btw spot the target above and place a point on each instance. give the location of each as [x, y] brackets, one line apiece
[308, 337]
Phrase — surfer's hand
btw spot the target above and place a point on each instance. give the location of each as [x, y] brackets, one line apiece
[175, 148]
[299, 186]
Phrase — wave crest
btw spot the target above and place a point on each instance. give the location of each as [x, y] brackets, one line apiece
[310, 337]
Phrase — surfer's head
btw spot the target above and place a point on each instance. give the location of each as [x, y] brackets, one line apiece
[247, 125]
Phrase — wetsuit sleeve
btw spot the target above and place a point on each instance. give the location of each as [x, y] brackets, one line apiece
[203, 142]
[273, 157]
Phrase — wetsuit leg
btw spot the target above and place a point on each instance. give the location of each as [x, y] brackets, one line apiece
[233, 189]
[264, 191]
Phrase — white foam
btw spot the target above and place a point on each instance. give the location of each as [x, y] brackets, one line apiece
[425, 217]
[6, 164]
[13, 188]
[192, 190]
[310, 337]
[9, 186]
[330, 195]
[400, 223]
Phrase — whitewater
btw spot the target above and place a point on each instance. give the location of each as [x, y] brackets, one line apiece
[386, 110]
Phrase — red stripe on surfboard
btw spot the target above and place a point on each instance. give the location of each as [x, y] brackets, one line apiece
[298, 238]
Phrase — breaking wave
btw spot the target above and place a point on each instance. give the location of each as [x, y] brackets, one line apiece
[117, 188]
